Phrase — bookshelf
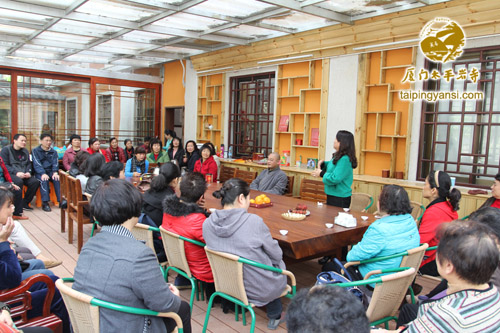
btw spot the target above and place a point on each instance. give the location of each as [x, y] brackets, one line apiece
[210, 115]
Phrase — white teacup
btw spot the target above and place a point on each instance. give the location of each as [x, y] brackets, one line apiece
[212, 210]
[329, 225]
[284, 232]
[364, 218]
[346, 209]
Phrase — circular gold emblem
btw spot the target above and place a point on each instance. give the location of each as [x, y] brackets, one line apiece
[442, 40]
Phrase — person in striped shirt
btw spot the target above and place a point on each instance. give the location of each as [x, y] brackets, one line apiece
[467, 256]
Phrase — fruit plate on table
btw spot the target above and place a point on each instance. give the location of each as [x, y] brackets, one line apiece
[293, 216]
[264, 205]
[298, 211]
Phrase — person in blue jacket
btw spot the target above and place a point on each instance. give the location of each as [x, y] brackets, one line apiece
[395, 232]
[46, 167]
[137, 165]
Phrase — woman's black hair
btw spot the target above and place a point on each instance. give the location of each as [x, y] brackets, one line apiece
[111, 169]
[195, 146]
[394, 200]
[140, 150]
[443, 185]
[489, 216]
[74, 136]
[5, 196]
[115, 201]
[497, 177]
[81, 159]
[231, 190]
[154, 141]
[171, 148]
[125, 141]
[346, 147]
[111, 139]
[93, 165]
[168, 172]
[92, 141]
[208, 146]
[193, 186]
[171, 133]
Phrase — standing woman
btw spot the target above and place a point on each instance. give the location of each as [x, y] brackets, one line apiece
[206, 164]
[234, 230]
[95, 147]
[129, 149]
[442, 209]
[138, 164]
[115, 153]
[176, 152]
[337, 173]
[191, 155]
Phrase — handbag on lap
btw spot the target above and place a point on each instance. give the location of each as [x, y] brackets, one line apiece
[333, 277]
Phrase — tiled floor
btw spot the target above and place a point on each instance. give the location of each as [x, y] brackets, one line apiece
[44, 228]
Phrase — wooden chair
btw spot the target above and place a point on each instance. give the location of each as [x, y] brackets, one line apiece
[411, 258]
[312, 190]
[228, 277]
[84, 309]
[388, 294]
[64, 196]
[177, 261]
[247, 176]
[289, 186]
[19, 299]
[52, 196]
[144, 233]
[361, 202]
[75, 210]
[417, 211]
[226, 173]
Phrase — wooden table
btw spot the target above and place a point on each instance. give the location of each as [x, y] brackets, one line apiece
[306, 239]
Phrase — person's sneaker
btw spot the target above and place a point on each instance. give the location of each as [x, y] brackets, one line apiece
[27, 207]
[273, 324]
[20, 217]
[46, 207]
[51, 263]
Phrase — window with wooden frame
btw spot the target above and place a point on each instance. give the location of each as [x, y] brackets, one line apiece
[144, 118]
[251, 115]
[104, 117]
[462, 137]
[70, 116]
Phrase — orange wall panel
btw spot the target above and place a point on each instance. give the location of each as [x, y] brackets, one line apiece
[306, 153]
[375, 163]
[298, 125]
[296, 69]
[317, 73]
[377, 98]
[312, 101]
[289, 105]
[173, 90]
[374, 76]
[300, 83]
[284, 142]
[398, 57]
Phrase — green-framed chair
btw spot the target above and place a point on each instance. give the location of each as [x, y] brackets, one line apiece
[144, 233]
[177, 261]
[361, 202]
[95, 224]
[410, 258]
[84, 309]
[228, 277]
[417, 211]
[388, 293]
[430, 277]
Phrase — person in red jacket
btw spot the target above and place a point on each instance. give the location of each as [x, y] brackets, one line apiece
[18, 194]
[206, 164]
[114, 152]
[442, 209]
[185, 217]
[94, 147]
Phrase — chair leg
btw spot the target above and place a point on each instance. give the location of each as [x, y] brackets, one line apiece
[252, 314]
[243, 316]
[70, 229]
[236, 312]
[93, 229]
[80, 235]
[63, 220]
[207, 316]
[193, 292]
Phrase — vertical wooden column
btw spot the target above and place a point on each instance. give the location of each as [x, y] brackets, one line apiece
[93, 100]
[14, 112]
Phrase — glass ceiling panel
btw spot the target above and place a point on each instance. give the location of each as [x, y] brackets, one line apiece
[349, 6]
[115, 10]
[65, 37]
[234, 8]
[300, 21]
[246, 31]
[87, 58]
[32, 47]
[144, 36]
[16, 31]
[188, 22]
[37, 54]
[83, 28]
[180, 50]
[122, 44]
[23, 16]
[51, 3]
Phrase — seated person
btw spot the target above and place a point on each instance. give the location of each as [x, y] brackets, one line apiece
[162, 186]
[46, 165]
[115, 267]
[206, 164]
[6, 181]
[95, 147]
[112, 170]
[176, 152]
[494, 201]
[114, 152]
[76, 167]
[185, 217]
[467, 256]
[191, 155]
[11, 273]
[17, 161]
[75, 142]
[157, 155]
[93, 172]
[326, 309]
[129, 149]
[395, 232]
[137, 165]
[442, 209]
[234, 230]
[273, 179]
[146, 145]
[6, 319]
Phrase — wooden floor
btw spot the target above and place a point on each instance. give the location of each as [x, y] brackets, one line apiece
[44, 228]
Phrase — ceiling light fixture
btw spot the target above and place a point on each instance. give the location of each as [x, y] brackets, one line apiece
[284, 59]
[214, 70]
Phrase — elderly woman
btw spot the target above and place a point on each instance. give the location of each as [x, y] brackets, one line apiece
[395, 232]
[234, 230]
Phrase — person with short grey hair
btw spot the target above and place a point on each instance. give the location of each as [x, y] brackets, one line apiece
[272, 180]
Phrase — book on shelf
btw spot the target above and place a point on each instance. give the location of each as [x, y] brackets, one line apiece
[283, 125]
[314, 137]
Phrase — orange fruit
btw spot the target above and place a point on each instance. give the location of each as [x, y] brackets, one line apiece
[267, 200]
[259, 201]
[252, 201]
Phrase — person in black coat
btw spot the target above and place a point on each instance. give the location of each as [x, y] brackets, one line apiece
[191, 155]
[176, 152]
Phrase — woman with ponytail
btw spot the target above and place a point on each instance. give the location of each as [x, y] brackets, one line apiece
[442, 208]
[161, 186]
[234, 230]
